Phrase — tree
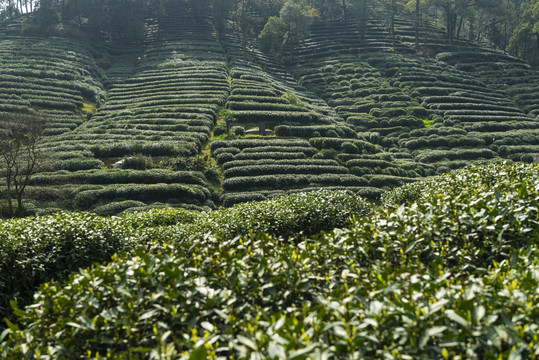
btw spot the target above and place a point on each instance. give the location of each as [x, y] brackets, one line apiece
[244, 21]
[525, 39]
[362, 11]
[19, 155]
[298, 20]
[330, 9]
[289, 29]
[221, 9]
[392, 8]
[271, 38]
[452, 11]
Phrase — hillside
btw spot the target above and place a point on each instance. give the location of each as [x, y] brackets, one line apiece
[132, 128]
[366, 192]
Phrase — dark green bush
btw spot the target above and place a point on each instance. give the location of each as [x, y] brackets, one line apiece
[269, 155]
[308, 131]
[137, 162]
[260, 169]
[276, 117]
[35, 250]
[190, 194]
[336, 143]
[238, 130]
[115, 208]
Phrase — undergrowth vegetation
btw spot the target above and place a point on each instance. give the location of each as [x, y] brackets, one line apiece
[444, 268]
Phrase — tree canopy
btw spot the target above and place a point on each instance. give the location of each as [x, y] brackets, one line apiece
[510, 25]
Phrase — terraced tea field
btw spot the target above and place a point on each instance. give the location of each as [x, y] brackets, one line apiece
[189, 119]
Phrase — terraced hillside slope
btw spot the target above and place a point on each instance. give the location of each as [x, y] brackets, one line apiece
[189, 119]
[440, 112]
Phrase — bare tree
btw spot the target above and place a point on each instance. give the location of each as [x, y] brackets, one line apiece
[19, 157]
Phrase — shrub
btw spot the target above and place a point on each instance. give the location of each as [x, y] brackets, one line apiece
[219, 130]
[114, 208]
[270, 155]
[260, 169]
[248, 143]
[77, 164]
[230, 199]
[275, 117]
[250, 106]
[116, 176]
[238, 130]
[336, 143]
[456, 268]
[38, 249]
[137, 162]
[190, 194]
[309, 131]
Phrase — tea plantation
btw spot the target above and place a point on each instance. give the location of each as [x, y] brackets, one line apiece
[195, 119]
[443, 268]
[365, 192]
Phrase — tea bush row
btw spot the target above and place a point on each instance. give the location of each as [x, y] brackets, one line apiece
[189, 194]
[118, 176]
[251, 106]
[226, 157]
[452, 141]
[337, 143]
[291, 162]
[291, 180]
[247, 143]
[276, 117]
[463, 154]
[255, 170]
[257, 99]
[312, 131]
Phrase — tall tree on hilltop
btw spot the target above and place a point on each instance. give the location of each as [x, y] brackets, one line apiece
[330, 9]
[270, 39]
[362, 10]
[525, 39]
[298, 20]
[221, 10]
[391, 9]
[243, 21]
[452, 10]
[289, 29]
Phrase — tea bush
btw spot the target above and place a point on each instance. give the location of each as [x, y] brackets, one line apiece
[453, 275]
[35, 250]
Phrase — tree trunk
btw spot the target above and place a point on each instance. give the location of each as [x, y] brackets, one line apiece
[451, 22]
[9, 197]
[392, 23]
[459, 27]
[10, 9]
[417, 17]
[472, 21]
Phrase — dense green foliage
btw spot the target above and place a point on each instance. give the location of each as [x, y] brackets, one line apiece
[35, 250]
[452, 274]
